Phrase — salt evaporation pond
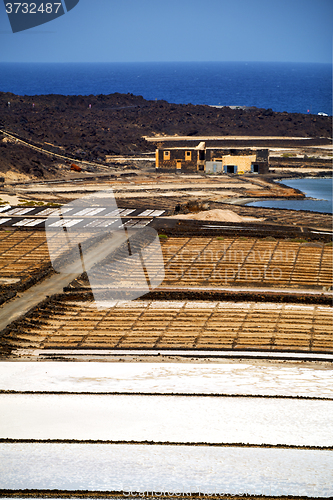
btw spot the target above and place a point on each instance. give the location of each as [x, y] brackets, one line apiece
[176, 469]
[167, 419]
[231, 377]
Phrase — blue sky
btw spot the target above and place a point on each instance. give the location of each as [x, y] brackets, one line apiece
[177, 30]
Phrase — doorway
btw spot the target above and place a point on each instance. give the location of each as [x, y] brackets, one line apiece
[231, 169]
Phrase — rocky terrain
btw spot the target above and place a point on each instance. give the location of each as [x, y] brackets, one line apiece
[117, 123]
[19, 159]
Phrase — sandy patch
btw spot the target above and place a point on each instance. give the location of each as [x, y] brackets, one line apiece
[216, 215]
[10, 199]
[11, 176]
[13, 199]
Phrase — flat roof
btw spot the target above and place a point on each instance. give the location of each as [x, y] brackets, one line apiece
[223, 138]
[192, 148]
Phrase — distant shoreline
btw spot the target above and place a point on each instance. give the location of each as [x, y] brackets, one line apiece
[282, 87]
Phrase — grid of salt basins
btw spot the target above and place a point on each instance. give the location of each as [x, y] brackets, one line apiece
[244, 427]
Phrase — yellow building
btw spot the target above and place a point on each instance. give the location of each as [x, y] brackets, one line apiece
[213, 159]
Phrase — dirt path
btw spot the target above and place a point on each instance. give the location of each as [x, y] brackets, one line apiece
[30, 298]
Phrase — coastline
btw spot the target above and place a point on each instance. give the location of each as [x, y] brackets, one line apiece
[314, 192]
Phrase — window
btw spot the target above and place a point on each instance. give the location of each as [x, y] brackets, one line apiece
[188, 156]
[166, 155]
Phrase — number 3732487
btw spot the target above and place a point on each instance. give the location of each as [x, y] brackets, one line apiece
[32, 8]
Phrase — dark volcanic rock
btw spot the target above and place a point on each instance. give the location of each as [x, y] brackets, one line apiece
[16, 157]
[116, 124]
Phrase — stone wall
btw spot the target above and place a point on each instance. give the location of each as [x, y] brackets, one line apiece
[184, 160]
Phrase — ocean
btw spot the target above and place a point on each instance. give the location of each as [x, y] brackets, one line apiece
[319, 190]
[292, 87]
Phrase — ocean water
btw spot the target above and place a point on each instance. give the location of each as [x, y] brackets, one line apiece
[292, 87]
[320, 189]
